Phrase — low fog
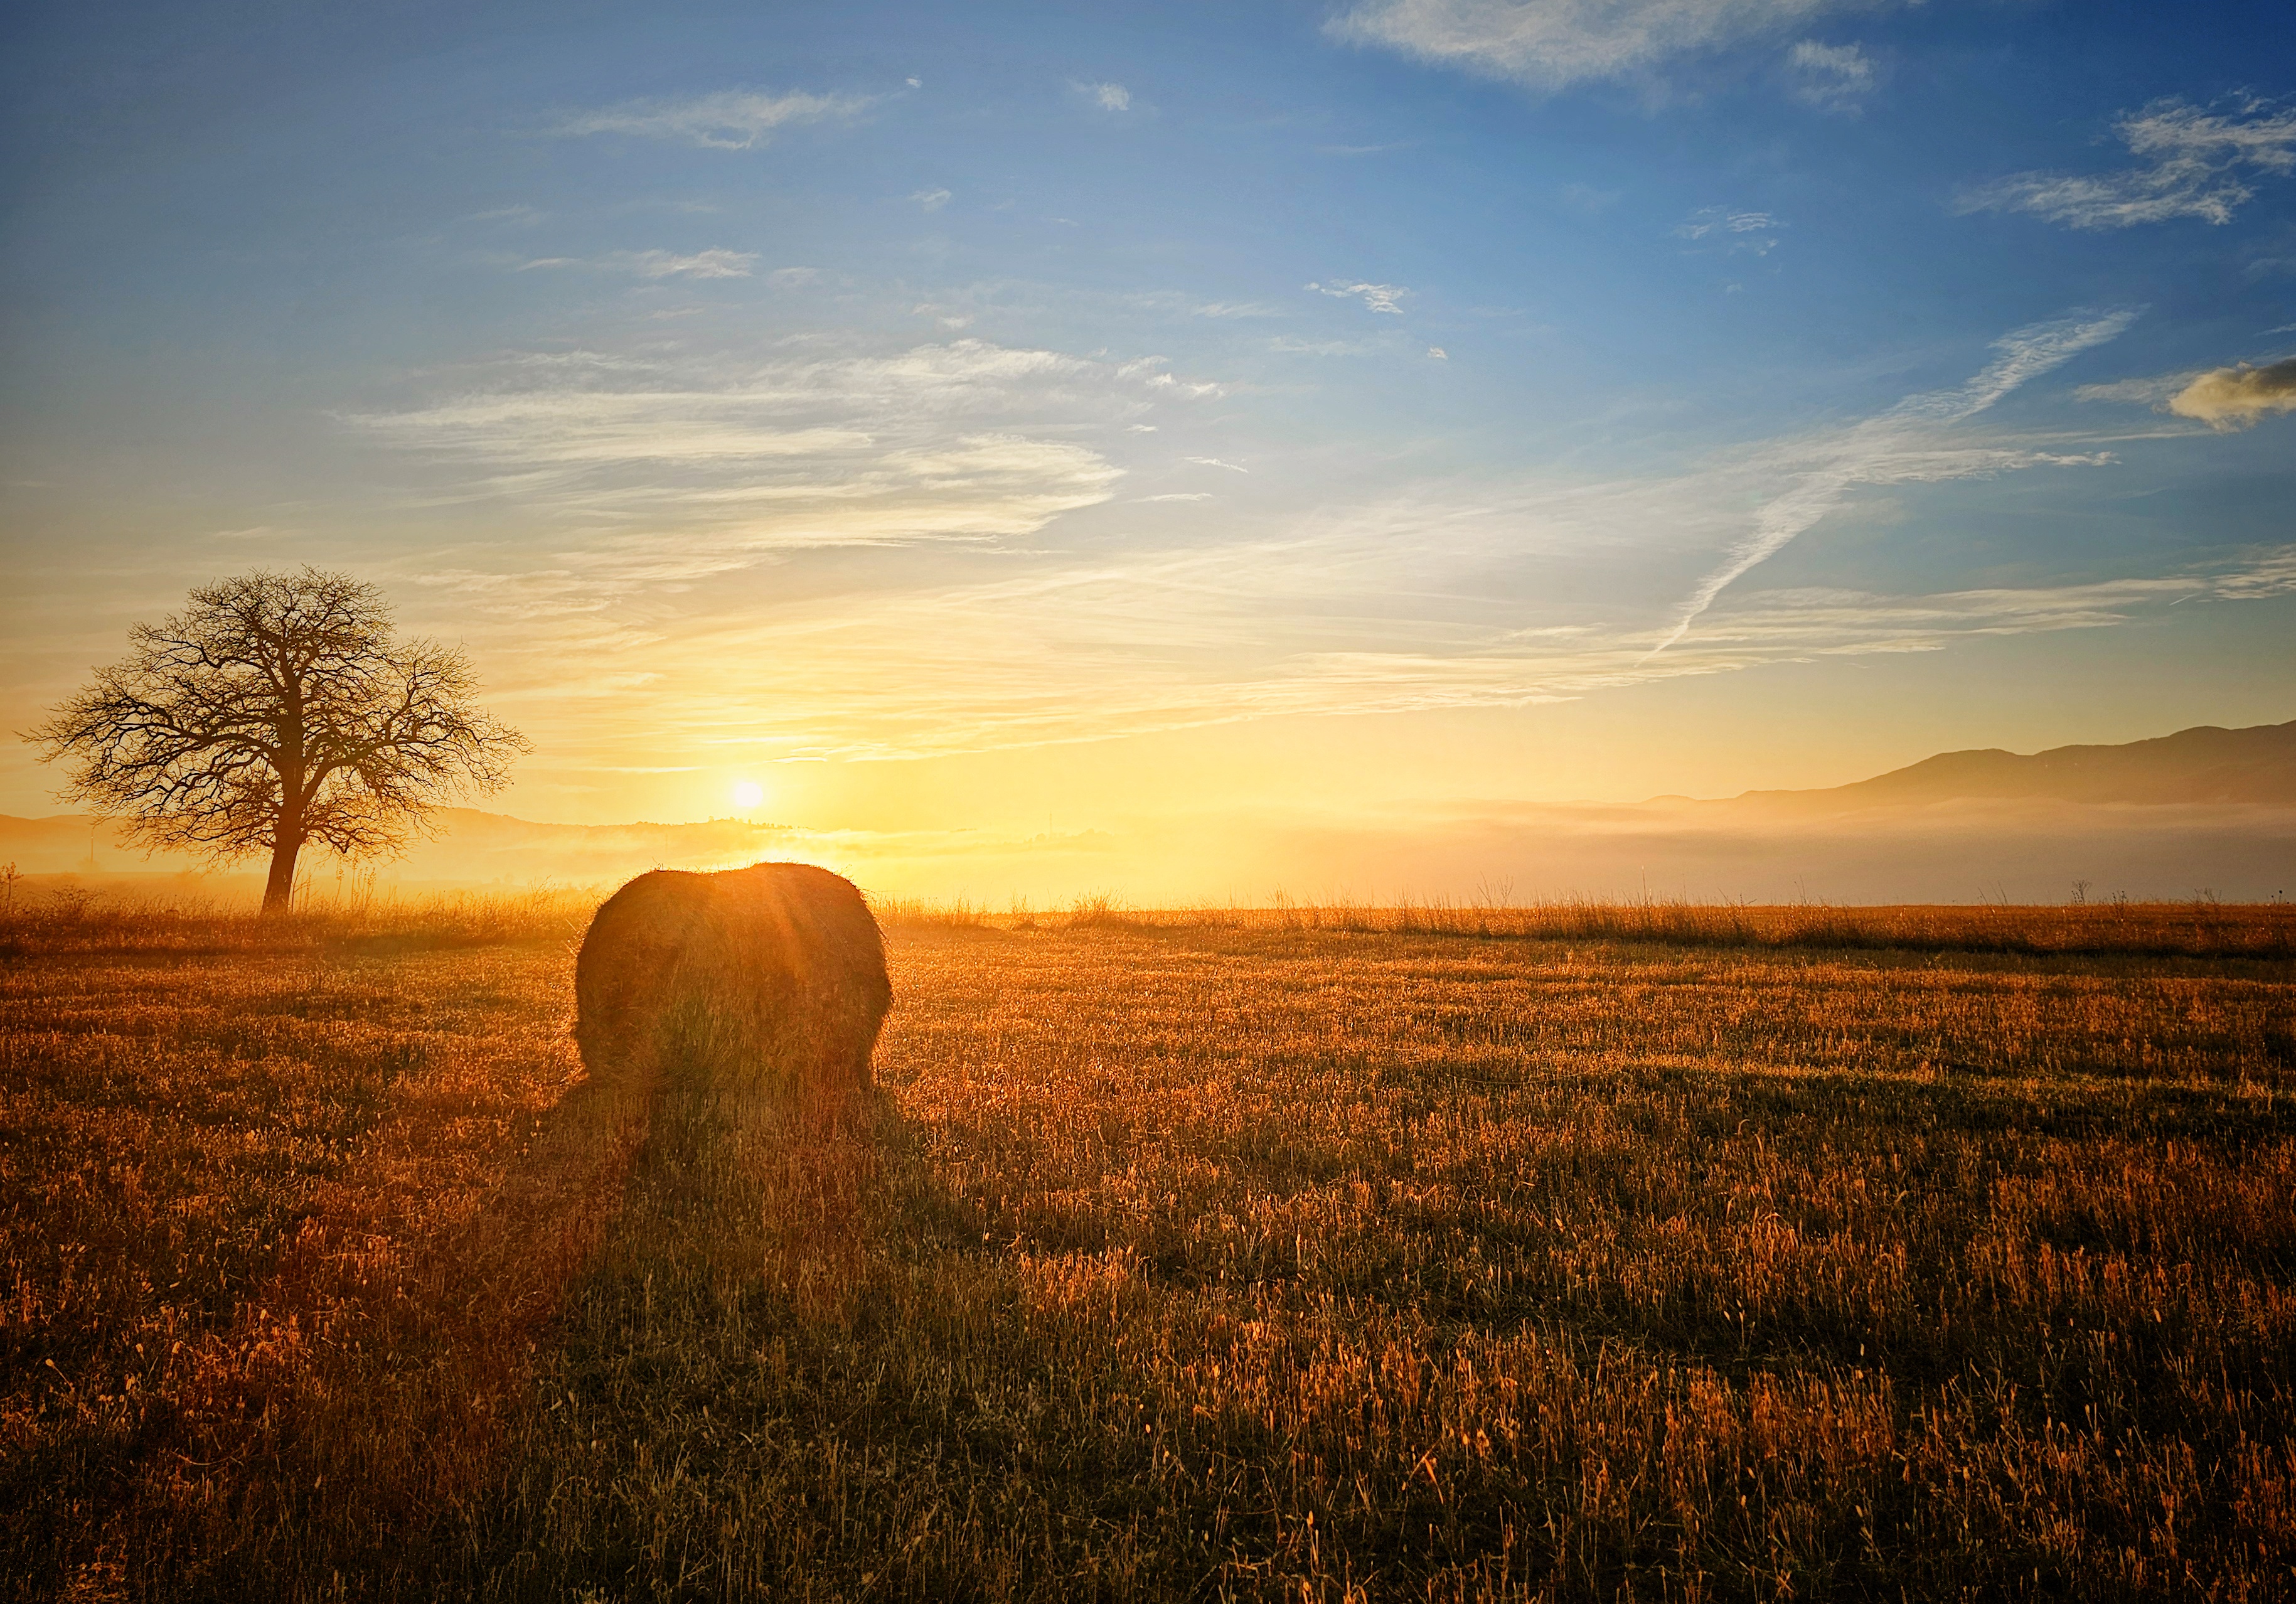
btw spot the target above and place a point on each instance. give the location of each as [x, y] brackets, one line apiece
[1967, 851]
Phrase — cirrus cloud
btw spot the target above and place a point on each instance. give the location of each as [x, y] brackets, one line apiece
[659, 264]
[1376, 298]
[1734, 231]
[2198, 164]
[1553, 44]
[702, 464]
[732, 120]
[1833, 78]
[1913, 442]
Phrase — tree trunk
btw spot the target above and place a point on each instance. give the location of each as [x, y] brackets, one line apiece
[287, 824]
[279, 891]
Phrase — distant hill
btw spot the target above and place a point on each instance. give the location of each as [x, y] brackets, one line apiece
[2203, 765]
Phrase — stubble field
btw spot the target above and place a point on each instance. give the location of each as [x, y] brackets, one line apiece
[1696, 1254]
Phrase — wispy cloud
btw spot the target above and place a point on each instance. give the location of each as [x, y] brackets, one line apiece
[1107, 97]
[683, 467]
[1833, 78]
[2235, 398]
[1376, 298]
[1754, 231]
[1334, 620]
[1550, 44]
[1910, 443]
[1286, 345]
[947, 317]
[1182, 304]
[2142, 392]
[690, 505]
[731, 120]
[932, 199]
[657, 263]
[2197, 164]
[1154, 373]
[1214, 462]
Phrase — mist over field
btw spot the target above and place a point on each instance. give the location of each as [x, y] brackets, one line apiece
[2203, 814]
[1946, 852]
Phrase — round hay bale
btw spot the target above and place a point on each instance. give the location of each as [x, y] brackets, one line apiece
[770, 977]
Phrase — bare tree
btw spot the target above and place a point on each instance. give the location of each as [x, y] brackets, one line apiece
[277, 709]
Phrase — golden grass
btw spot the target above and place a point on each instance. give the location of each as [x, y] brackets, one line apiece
[2203, 929]
[282, 1220]
[1231, 1254]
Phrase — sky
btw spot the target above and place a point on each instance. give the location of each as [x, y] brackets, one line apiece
[1001, 417]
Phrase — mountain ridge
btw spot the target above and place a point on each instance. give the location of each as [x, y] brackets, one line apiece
[2206, 764]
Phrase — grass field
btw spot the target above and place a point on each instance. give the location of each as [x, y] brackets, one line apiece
[1304, 1254]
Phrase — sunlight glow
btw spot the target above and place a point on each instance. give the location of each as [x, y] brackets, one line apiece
[748, 794]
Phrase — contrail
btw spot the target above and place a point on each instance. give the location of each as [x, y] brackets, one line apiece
[1862, 453]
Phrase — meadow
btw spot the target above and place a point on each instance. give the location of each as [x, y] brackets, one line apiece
[1439, 1252]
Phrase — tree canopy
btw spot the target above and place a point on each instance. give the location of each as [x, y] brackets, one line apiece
[277, 709]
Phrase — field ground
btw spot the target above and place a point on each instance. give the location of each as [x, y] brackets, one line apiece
[1305, 1254]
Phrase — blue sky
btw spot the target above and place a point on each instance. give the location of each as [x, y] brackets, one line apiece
[963, 413]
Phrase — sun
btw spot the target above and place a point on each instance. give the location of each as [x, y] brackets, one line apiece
[748, 794]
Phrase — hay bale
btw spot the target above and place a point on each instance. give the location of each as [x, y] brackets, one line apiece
[767, 977]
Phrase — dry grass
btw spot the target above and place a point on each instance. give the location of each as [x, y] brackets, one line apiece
[282, 1218]
[2198, 929]
[1238, 1255]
